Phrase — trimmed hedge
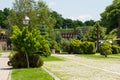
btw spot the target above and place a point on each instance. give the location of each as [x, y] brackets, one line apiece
[82, 47]
[89, 48]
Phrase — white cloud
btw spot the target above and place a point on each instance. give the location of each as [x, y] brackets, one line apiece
[85, 17]
[51, 4]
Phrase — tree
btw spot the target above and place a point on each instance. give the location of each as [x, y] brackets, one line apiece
[2, 16]
[95, 32]
[89, 23]
[28, 42]
[68, 23]
[111, 16]
[38, 12]
[77, 23]
[80, 35]
[59, 19]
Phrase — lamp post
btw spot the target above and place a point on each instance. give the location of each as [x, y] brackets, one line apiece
[26, 20]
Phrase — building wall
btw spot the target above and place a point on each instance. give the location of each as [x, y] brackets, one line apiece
[3, 45]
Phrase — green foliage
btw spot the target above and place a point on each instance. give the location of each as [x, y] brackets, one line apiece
[89, 23]
[53, 44]
[45, 50]
[19, 60]
[95, 32]
[112, 34]
[58, 18]
[3, 18]
[80, 35]
[115, 49]
[37, 11]
[76, 46]
[105, 49]
[82, 47]
[88, 48]
[111, 16]
[26, 41]
[29, 42]
[65, 45]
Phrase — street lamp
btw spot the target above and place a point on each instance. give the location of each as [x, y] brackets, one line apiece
[26, 20]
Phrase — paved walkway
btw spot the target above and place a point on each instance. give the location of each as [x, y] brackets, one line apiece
[81, 68]
[4, 68]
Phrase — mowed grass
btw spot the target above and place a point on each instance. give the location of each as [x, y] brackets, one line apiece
[52, 58]
[30, 74]
[34, 73]
[98, 56]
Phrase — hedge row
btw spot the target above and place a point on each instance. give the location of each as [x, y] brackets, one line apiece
[78, 47]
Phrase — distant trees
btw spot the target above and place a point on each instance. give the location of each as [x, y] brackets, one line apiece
[3, 18]
[69, 23]
[111, 16]
[89, 23]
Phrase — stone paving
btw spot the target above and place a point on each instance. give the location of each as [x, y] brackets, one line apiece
[4, 68]
[80, 68]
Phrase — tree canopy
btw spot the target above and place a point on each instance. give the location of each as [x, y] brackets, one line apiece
[111, 16]
[3, 18]
[38, 12]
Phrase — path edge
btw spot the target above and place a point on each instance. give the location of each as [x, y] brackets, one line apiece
[50, 73]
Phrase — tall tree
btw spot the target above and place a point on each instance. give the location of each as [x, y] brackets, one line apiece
[38, 12]
[111, 16]
[59, 19]
[95, 32]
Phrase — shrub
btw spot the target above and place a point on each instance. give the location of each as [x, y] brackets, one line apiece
[27, 43]
[46, 50]
[75, 46]
[18, 60]
[105, 49]
[53, 44]
[115, 49]
[88, 48]
[65, 45]
[82, 47]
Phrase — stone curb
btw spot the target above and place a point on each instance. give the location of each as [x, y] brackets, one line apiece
[52, 74]
[9, 76]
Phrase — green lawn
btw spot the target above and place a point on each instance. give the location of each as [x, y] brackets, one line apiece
[97, 56]
[30, 74]
[52, 58]
[34, 73]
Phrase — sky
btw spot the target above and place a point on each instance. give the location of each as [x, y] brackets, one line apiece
[74, 9]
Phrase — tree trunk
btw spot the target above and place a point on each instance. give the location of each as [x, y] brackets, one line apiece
[27, 59]
[97, 38]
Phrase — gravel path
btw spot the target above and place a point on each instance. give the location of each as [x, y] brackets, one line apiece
[4, 68]
[81, 68]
